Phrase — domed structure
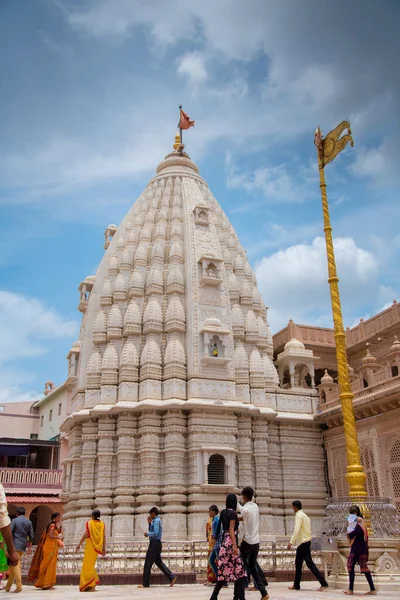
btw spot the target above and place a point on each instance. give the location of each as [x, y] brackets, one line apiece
[175, 366]
[294, 344]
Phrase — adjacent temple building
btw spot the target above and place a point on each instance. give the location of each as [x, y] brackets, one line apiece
[173, 395]
[373, 350]
[175, 399]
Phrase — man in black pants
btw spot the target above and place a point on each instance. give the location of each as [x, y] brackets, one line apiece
[249, 526]
[154, 550]
[302, 538]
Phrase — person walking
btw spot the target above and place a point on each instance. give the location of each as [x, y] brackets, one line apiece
[216, 542]
[43, 569]
[250, 544]
[358, 538]
[230, 563]
[302, 538]
[211, 525]
[95, 546]
[153, 554]
[23, 536]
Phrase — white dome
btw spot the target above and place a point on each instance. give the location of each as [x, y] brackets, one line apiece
[326, 378]
[294, 344]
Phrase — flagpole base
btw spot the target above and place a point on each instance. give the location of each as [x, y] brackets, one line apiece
[384, 543]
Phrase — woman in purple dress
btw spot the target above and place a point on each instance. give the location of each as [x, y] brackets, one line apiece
[230, 564]
[359, 553]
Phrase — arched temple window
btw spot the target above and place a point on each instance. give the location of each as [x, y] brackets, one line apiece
[395, 370]
[395, 472]
[216, 469]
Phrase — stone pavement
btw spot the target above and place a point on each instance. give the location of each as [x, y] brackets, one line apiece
[278, 591]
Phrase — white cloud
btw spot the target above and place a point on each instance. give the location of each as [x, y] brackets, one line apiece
[379, 163]
[192, 65]
[16, 394]
[294, 283]
[26, 325]
[275, 182]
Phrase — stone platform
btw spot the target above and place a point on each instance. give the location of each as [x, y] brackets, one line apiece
[190, 592]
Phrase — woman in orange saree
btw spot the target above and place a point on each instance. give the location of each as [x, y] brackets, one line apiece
[43, 569]
[95, 546]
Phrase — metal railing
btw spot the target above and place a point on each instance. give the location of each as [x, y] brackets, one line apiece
[181, 557]
[381, 516]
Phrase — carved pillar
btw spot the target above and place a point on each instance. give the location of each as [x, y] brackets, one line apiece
[73, 465]
[86, 493]
[149, 433]
[245, 452]
[261, 459]
[105, 454]
[123, 520]
[174, 471]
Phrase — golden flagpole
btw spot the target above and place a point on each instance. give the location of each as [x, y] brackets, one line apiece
[328, 148]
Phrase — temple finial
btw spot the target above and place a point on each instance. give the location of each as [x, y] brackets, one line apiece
[177, 141]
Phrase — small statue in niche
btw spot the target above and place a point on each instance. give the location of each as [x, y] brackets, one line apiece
[202, 215]
[214, 349]
[211, 271]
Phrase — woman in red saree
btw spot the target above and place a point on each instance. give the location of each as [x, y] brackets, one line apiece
[95, 546]
[43, 569]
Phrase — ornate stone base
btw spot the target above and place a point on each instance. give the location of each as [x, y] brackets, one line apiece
[384, 543]
[384, 562]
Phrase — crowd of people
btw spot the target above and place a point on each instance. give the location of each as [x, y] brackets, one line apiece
[233, 547]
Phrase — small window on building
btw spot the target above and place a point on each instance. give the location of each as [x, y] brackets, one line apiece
[34, 436]
[2, 408]
[395, 370]
[216, 469]
[41, 420]
[365, 383]
[51, 414]
[59, 409]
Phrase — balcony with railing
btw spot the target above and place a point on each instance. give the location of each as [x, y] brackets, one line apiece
[383, 388]
[31, 480]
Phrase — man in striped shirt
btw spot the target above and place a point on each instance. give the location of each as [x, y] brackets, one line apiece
[153, 554]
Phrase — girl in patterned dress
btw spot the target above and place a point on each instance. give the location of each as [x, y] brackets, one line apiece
[230, 564]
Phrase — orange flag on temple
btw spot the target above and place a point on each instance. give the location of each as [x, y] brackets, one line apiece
[184, 121]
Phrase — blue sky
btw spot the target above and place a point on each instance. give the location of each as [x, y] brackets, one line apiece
[89, 107]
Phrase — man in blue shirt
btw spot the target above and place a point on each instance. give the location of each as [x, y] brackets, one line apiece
[153, 554]
[23, 535]
[213, 512]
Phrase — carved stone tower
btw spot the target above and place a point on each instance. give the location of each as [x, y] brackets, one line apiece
[176, 399]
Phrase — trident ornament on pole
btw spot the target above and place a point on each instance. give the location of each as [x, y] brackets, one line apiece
[327, 149]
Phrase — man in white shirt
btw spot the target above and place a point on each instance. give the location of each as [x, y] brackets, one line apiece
[250, 545]
[302, 538]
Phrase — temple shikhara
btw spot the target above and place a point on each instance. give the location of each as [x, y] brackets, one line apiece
[175, 399]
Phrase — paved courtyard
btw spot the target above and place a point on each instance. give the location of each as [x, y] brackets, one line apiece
[188, 592]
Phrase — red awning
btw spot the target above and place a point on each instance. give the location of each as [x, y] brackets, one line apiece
[11, 499]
